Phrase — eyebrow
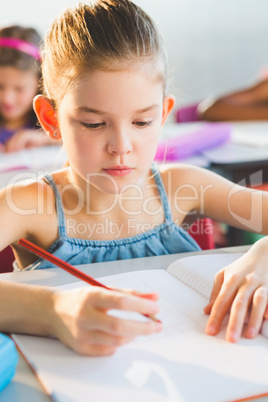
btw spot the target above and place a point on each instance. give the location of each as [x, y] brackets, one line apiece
[91, 110]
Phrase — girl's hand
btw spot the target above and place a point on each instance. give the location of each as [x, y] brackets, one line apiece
[27, 138]
[81, 321]
[241, 289]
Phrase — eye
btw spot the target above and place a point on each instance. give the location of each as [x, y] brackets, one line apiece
[142, 124]
[92, 126]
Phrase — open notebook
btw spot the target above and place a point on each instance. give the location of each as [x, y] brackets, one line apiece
[180, 364]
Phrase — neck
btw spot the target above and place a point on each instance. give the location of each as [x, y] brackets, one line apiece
[96, 201]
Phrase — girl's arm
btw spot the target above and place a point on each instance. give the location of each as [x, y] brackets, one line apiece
[78, 318]
[242, 286]
[194, 191]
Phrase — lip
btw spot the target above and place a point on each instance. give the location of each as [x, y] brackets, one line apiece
[7, 107]
[119, 170]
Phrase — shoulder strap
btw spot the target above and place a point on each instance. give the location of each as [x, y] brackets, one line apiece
[59, 207]
[162, 191]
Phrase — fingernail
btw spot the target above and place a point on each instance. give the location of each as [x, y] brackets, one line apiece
[211, 330]
[251, 332]
[232, 336]
[159, 326]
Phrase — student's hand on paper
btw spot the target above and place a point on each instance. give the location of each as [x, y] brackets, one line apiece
[241, 289]
[27, 138]
[82, 323]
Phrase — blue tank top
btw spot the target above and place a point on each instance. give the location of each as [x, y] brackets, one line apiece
[166, 238]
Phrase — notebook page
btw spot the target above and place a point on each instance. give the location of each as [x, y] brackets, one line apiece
[199, 271]
[161, 367]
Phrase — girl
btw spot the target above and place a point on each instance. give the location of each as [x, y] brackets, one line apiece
[105, 74]
[19, 82]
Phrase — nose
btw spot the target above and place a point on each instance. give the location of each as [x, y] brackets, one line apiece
[119, 143]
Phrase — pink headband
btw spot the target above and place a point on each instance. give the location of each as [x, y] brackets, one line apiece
[21, 45]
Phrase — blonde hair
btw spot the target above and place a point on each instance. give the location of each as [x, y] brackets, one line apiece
[99, 35]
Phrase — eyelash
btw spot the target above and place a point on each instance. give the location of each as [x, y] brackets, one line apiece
[95, 126]
[92, 126]
[143, 124]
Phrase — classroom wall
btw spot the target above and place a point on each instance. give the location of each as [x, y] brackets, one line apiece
[213, 46]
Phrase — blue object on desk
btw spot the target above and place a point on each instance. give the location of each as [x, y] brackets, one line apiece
[8, 360]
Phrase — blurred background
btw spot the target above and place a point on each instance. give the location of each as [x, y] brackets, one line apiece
[213, 46]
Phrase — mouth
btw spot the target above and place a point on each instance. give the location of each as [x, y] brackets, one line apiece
[7, 108]
[119, 170]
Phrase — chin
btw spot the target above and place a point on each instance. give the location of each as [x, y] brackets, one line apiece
[111, 186]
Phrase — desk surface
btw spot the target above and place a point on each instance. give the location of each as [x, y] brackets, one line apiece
[249, 144]
[25, 386]
[27, 163]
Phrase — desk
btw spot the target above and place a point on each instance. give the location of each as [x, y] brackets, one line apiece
[28, 163]
[243, 156]
[24, 386]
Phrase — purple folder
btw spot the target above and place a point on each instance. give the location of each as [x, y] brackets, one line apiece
[199, 138]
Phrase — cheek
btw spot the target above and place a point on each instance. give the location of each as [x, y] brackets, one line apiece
[82, 152]
[147, 148]
[26, 99]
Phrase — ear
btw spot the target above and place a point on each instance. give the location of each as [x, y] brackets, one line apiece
[47, 117]
[168, 104]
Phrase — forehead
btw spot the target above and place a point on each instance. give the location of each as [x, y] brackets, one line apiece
[10, 75]
[135, 87]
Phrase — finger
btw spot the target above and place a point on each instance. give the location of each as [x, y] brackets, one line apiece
[88, 341]
[99, 350]
[103, 338]
[219, 309]
[266, 313]
[218, 281]
[89, 349]
[151, 295]
[123, 327]
[107, 300]
[259, 304]
[238, 314]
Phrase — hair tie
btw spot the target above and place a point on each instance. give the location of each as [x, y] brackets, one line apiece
[21, 45]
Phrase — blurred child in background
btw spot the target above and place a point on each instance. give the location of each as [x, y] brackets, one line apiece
[20, 75]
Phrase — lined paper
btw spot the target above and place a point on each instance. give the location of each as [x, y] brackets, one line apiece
[199, 271]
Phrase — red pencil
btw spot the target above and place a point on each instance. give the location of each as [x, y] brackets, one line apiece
[67, 267]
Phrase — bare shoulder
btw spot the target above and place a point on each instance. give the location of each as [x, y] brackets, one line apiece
[27, 209]
[191, 188]
[179, 174]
